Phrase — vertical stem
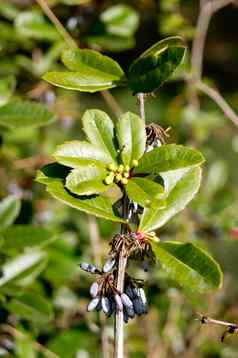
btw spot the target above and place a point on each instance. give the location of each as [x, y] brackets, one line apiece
[119, 323]
[141, 99]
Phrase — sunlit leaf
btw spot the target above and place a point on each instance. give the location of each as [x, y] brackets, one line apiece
[86, 180]
[7, 86]
[169, 157]
[131, 137]
[181, 186]
[90, 71]
[99, 129]
[156, 65]
[188, 265]
[145, 192]
[76, 153]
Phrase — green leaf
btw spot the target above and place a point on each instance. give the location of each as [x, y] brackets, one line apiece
[25, 347]
[156, 65]
[86, 180]
[89, 72]
[76, 153]
[131, 137]
[188, 265]
[99, 129]
[7, 86]
[120, 19]
[18, 113]
[33, 25]
[31, 306]
[18, 237]
[110, 42]
[168, 157]
[181, 186]
[9, 210]
[52, 172]
[145, 192]
[20, 266]
[96, 205]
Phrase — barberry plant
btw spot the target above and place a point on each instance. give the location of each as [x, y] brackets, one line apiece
[127, 173]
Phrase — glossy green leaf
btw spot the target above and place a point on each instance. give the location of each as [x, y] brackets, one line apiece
[181, 186]
[18, 237]
[188, 265]
[96, 205]
[20, 266]
[168, 157]
[99, 129]
[145, 192]
[52, 172]
[87, 180]
[9, 210]
[77, 153]
[31, 306]
[131, 137]
[156, 65]
[16, 114]
[90, 71]
[33, 25]
[120, 19]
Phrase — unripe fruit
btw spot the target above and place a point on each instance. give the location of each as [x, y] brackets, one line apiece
[127, 168]
[135, 163]
[126, 174]
[118, 177]
[109, 179]
[112, 167]
[121, 168]
[124, 181]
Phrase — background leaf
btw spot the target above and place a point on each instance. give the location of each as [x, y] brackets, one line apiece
[18, 237]
[180, 192]
[18, 113]
[188, 265]
[168, 157]
[120, 19]
[131, 137]
[31, 306]
[9, 210]
[156, 65]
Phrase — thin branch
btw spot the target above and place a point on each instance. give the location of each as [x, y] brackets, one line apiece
[207, 9]
[231, 328]
[141, 100]
[219, 100]
[112, 103]
[61, 29]
[38, 347]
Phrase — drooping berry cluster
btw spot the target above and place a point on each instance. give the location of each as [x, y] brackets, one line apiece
[107, 298]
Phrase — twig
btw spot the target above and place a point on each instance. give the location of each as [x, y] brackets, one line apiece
[141, 100]
[61, 29]
[207, 9]
[39, 347]
[95, 245]
[219, 100]
[112, 103]
[231, 328]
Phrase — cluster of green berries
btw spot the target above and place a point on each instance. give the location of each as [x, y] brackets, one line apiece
[120, 173]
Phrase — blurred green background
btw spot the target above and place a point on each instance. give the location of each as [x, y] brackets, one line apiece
[44, 297]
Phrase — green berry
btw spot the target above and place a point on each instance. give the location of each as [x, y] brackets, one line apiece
[127, 168]
[120, 169]
[118, 177]
[109, 179]
[135, 163]
[112, 167]
[126, 174]
[124, 181]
